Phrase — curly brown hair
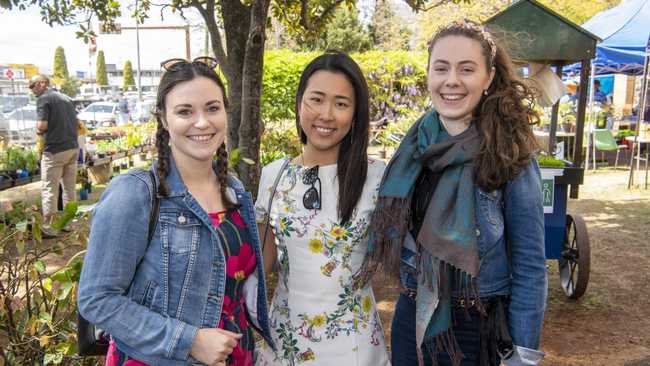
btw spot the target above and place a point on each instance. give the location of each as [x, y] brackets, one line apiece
[504, 115]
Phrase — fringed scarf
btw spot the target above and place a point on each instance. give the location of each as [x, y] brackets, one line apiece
[447, 241]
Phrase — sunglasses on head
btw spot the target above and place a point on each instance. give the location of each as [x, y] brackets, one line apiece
[176, 63]
[311, 198]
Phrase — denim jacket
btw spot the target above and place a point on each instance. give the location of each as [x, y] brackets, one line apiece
[514, 215]
[152, 298]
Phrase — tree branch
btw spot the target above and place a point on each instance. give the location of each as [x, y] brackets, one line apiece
[215, 36]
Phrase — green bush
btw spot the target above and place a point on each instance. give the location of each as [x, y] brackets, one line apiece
[280, 139]
[38, 310]
[396, 82]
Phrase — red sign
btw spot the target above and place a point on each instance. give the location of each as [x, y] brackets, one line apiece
[9, 73]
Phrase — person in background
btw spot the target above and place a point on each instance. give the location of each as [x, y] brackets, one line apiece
[599, 95]
[58, 125]
[123, 111]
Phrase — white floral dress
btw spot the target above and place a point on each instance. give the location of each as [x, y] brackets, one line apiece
[317, 318]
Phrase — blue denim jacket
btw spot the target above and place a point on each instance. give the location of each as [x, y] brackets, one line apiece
[154, 309]
[513, 213]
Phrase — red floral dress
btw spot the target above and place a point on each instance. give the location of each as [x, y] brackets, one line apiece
[240, 263]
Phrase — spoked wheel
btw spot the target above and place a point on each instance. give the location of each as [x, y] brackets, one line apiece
[575, 260]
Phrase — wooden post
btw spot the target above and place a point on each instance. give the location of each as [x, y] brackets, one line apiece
[554, 117]
[583, 89]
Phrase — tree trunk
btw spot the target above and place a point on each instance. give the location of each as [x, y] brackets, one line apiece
[250, 125]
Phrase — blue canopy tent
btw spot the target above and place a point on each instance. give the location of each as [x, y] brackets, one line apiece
[625, 30]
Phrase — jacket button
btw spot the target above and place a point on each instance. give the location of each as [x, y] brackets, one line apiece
[478, 232]
[181, 219]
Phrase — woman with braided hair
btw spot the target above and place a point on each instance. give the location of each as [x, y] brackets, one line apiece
[191, 289]
[459, 218]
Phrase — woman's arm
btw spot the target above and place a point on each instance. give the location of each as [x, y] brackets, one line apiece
[118, 241]
[524, 217]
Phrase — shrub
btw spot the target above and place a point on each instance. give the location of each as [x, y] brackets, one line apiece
[37, 307]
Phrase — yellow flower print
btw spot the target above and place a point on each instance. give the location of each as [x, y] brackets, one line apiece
[338, 232]
[318, 321]
[366, 304]
[316, 246]
[283, 224]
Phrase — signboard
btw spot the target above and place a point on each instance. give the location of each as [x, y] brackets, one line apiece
[12, 73]
[548, 187]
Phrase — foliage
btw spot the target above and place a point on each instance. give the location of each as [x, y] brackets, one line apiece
[16, 157]
[396, 81]
[547, 161]
[128, 75]
[70, 87]
[577, 11]
[388, 30]
[345, 33]
[102, 77]
[60, 64]
[38, 305]
[280, 139]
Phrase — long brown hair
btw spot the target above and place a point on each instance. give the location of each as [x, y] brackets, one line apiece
[504, 115]
[181, 73]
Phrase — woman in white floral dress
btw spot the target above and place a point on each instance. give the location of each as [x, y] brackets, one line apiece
[319, 226]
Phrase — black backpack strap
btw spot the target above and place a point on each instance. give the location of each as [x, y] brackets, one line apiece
[155, 206]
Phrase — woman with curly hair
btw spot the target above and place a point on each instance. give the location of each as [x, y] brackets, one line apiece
[186, 288]
[459, 219]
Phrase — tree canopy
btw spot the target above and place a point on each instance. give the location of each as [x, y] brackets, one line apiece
[102, 77]
[128, 75]
[60, 64]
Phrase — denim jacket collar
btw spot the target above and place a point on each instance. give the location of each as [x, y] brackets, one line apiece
[177, 187]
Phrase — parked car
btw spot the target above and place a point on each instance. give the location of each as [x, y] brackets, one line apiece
[99, 114]
[19, 127]
[9, 103]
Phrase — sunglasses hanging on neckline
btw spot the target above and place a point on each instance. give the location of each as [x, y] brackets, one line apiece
[312, 197]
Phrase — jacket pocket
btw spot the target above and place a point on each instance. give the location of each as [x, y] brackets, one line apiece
[179, 231]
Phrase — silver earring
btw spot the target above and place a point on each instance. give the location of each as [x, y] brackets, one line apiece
[485, 92]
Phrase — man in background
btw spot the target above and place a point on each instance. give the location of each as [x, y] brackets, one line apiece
[57, 123]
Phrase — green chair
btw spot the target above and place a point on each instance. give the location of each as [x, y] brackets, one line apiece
[604, 141]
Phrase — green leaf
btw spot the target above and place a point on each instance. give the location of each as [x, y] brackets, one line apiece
[248, 161]
[21, 226]
[68, 214]
[52, 358]
[40, 266]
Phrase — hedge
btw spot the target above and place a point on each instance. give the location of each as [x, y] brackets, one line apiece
[396, 81]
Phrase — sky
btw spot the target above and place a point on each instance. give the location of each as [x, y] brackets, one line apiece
[25, 38]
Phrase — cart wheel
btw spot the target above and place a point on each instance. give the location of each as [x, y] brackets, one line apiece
[575, 260]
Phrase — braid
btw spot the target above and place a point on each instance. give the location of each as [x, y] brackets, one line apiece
[222, 175]
[162, 146]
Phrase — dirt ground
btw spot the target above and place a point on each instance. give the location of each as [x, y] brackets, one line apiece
[610, 324]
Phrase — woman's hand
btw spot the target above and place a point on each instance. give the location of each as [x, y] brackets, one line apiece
[212, 346]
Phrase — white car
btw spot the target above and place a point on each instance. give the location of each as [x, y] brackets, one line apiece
[99, 114]
[19, 126]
